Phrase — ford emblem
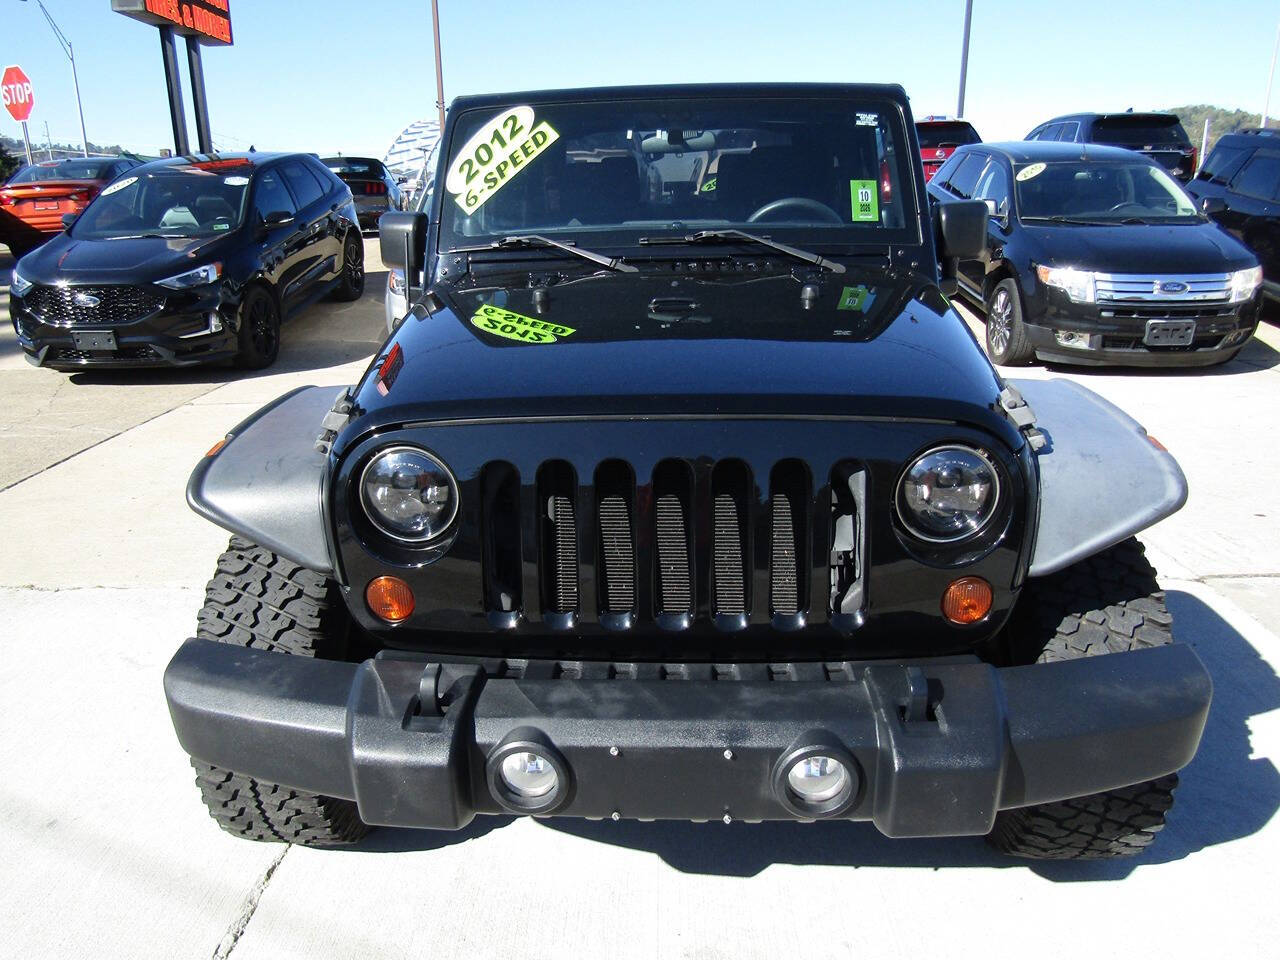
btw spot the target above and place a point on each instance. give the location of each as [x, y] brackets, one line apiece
[940, 152]
[86, 300]
[1171, 286]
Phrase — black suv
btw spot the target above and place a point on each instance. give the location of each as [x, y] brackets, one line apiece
[1239, 186]
[1157, 135]
[1096, 255]
[189, 260]
[683, 493]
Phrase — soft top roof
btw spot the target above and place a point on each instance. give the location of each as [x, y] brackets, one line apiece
[685, 91]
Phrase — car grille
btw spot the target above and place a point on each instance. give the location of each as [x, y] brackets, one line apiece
[136, 354]
[115, 304]
[603, 554]
[1162, 288]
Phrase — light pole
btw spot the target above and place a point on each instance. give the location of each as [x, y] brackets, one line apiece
[66, 48]
[1271, 76]
[964, 55]
[435, 23]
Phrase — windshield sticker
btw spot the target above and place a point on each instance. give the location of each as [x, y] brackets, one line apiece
[868, 120]
[1027, 172]
[118, 185]
[516, 326]
[236, 181]
[495, 154]
[856, 298]
[864, 195]
[222, 226]
[709, 186]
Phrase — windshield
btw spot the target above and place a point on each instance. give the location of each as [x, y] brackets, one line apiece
[1111, 192]
[178, 201]
[1139, 131]
[934, 135]
[614, 171]
[354, 166]
[64, 170]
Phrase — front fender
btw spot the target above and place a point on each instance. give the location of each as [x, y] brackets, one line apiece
[1102, 479]
[266, 481]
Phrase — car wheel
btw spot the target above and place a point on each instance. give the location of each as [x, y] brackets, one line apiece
[1108, 603]
[1007, 342]
[261, 600]
[259, 330]
[351, 286]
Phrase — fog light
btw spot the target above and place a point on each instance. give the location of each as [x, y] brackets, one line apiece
[528, 775]
[389, 599]
[215, 322]
[817, 779]
[967, 600]
[1074, 339]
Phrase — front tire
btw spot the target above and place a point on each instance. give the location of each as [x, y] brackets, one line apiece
[1108, 603]
[261, 600]
[1007, 342]
[259, 329]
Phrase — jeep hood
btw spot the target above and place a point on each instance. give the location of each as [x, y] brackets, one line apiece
[867, 344]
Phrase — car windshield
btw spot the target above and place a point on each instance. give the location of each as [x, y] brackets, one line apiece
[821, 170]
[354, 166]
[1110, 192]
[91, 169]
[934, 135]
[1139, 131]
[191, 200]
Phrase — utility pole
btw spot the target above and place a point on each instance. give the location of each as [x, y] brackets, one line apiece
[435, 23]
[1271, 76]
[964, 55]
[71, 55]
[48, 143]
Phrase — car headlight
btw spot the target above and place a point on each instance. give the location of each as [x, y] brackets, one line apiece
[193, 278]
[1243, 283]
[409, 494]
[18, 284]
[948, 493]
[1077, 284]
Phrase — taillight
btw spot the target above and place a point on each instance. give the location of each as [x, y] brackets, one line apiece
[1195, 153]
[7, 201]
[375, 189]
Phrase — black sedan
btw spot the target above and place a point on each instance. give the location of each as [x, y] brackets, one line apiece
[1096, 255]
[189, 260]
[372, 185]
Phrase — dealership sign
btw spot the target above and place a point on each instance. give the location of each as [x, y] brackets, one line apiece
[15, 91]
[209, 21]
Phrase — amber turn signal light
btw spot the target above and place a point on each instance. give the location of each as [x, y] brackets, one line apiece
[217, 446]
[390, 599]
[967, 600]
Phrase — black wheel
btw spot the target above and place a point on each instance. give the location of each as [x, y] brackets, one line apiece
[1108, 603]
[351, 286]
[1007, 342]
[259, 330]
[258, 599]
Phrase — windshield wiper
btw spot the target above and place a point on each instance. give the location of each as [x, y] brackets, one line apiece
[537, 240]
[1059, 218]
[720, 236]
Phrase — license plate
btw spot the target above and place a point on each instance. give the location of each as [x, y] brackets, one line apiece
[104, 340]
[47, 206]
[1170, 333]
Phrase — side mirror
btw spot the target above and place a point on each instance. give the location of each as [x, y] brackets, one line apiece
[277, 218]
[1210, 206]
[68, 219]
[402, 239]
[962, 228]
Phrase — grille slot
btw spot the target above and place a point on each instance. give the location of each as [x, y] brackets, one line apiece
[783, 594]
[616, 573]
[789, 498]
[500, 521]
[730, 484]
[847, 521]
[116, 304]
[559, 537]
[673, 534]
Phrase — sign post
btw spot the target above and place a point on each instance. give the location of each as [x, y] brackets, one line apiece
[18, 98]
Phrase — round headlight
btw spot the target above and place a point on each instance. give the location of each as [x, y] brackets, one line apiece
[409, 494]
[948, 494]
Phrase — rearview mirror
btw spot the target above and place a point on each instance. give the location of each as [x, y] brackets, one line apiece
[1210, 206]
[402, 240]
[962, 228]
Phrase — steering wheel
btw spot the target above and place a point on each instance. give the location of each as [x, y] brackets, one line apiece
[802, 203]
[1128, 203]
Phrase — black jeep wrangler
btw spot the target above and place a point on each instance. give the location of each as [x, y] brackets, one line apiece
[682, 492]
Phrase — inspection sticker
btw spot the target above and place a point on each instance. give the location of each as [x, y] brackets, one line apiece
[516, 326]
[118, 185]
[865, 197]
[1027, 172]
[495, 154]
[856, 298]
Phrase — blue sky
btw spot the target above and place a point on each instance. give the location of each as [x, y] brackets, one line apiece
[348, 76]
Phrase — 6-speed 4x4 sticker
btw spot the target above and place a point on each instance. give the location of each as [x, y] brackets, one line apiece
[495, 154]
[518, 327]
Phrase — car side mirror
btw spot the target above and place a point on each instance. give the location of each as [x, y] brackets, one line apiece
[1210, 206]
[402, 240]
[277, 218]
[962, 228]
[68, 219]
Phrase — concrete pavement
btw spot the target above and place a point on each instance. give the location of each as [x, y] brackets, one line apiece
[108, 852]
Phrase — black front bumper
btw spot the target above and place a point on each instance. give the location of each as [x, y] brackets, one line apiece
[936, 747]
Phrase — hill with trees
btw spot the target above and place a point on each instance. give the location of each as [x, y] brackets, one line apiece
[1221, 120]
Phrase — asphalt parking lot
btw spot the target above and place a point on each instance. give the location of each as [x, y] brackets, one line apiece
[108, 851]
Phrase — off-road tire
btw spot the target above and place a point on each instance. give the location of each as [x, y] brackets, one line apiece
[1108, 603]
[351, 286]
[1007, 342]
[261, 600]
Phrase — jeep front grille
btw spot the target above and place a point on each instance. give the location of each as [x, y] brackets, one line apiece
[693, 542]
[111, 305]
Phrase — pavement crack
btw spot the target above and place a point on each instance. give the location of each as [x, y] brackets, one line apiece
[247, 909]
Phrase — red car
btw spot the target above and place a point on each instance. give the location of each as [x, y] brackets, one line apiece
[939, 137]
[33, 200]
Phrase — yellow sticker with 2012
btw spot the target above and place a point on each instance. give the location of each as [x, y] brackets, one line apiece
[518, 327]
[495, 155]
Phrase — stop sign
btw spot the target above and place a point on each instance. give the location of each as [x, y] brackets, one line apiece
[15, 91]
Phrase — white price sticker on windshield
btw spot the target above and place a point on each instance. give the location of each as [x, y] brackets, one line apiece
[118, 185]
[1027, 172]
[492, 158]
